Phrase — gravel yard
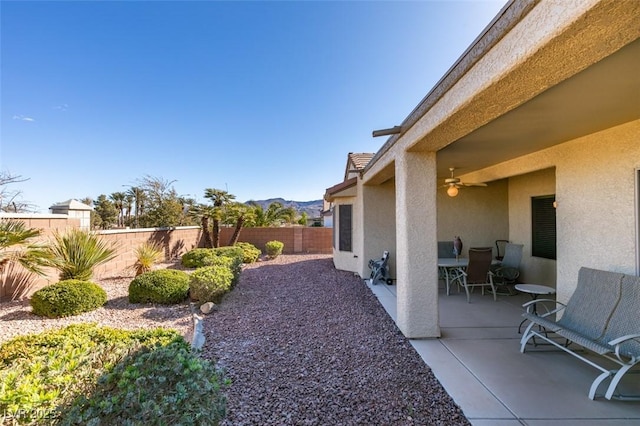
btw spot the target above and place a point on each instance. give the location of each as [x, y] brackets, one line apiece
[16, 317]
[305, 344]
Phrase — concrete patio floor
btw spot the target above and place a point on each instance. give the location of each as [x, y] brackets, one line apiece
[479, 363]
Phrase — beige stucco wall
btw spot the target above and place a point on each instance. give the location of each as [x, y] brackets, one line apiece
[348, 260]
[478, 215]
[533, 270]
[379, 218]
[595, 189]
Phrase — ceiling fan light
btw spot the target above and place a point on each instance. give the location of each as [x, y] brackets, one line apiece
[452, 191]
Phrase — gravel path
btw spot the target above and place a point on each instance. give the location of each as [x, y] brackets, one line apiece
[305, 344]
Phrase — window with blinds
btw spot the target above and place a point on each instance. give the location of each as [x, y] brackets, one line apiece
[543, 227]
[345, 227]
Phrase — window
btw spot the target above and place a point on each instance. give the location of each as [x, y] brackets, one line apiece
[543, 227]
[344, 225]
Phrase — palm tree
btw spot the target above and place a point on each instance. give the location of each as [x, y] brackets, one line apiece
[16, 246]
[139, 198]
[238, 214]
[219, 198]
[275, 215]
[118, 201]
[203, 213]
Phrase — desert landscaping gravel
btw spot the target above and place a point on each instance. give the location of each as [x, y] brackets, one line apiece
[305, 344]
[16, 317]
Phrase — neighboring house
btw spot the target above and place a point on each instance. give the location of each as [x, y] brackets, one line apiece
[544, 107]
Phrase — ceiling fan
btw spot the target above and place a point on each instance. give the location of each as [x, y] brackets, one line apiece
[453, 183]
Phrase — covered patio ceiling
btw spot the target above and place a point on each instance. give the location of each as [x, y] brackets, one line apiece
[604, 95]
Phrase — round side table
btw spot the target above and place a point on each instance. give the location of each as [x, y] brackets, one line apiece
[534, 290]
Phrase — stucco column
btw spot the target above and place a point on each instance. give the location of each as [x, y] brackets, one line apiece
[416, 236]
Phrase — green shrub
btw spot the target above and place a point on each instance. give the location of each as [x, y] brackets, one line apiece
[41, 375]
[250, 252]
[167, 385]
[199, 257]
[230, 251]
[166, 286]
[274, 248]
[210, 283]
[76, 253]
[234, 264]
[67, 298]
[147, 255]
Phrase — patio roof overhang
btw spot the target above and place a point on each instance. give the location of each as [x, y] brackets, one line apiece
[580, 80]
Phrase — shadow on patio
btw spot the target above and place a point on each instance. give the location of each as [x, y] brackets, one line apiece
[479, 363]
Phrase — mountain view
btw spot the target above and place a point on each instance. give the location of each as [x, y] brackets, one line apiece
[312, 208]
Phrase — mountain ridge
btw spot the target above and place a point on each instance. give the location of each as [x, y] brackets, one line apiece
[312, 208]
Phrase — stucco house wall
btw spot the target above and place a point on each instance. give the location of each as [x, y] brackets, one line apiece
[347, 260]
[478, 215]
[521, 188]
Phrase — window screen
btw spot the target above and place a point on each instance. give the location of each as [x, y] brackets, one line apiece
[344, 221]
[543, 227]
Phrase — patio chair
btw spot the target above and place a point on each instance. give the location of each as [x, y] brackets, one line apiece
[500, 248]
[508, 271]
[445, 249]
[477, 273]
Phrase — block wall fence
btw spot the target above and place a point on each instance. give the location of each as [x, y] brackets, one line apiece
[16, 284]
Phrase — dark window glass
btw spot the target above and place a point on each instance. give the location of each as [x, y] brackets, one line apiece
[344, 221]
[543, 227]
[333, 224]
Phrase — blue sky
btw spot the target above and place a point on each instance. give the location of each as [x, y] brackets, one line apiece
[263, 99]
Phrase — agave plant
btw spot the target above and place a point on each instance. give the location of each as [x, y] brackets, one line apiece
[76, 253]
[147, 255]
[16, 246]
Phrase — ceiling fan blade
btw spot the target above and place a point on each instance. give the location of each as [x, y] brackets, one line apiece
[474, 184]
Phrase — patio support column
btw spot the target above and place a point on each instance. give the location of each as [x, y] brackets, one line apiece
[416, 238]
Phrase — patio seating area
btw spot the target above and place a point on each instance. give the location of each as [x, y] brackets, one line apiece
[479, 363]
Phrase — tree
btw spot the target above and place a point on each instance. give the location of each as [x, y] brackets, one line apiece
[219, 198]
[237, 214]
[10, 200]
[162, 206]
[138, 196]
[275, 214]
[106, 212]
[203, 213]
[17, 246]
[304, 218]
[118, 199]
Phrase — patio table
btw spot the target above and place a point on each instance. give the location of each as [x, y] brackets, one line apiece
[534, 290]
[445, 264]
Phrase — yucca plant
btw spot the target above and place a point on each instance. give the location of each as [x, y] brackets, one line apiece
[16, 246]
[147, 255]
[76, 253]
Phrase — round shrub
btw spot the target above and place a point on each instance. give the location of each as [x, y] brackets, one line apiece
[274, 248]
[67, 298]
[210, 283]
[234, 264]
[250, 252]
[165, 286]
[197, 258]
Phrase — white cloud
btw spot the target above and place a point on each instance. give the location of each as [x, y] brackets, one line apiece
[61, 107]
[23, 118]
